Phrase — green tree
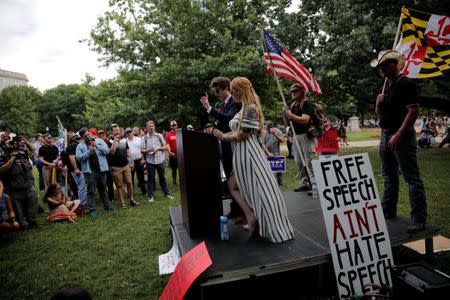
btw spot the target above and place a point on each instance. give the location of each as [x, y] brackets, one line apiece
[18, 108]
[64, 101]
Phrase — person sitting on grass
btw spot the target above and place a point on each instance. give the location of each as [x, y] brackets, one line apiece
[60, 208]
[5, 205]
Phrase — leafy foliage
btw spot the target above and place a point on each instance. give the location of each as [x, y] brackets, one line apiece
[18, 108]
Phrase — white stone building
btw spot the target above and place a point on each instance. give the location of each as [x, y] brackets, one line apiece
[8, 78]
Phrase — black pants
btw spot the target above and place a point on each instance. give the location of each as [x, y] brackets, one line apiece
[139, 170]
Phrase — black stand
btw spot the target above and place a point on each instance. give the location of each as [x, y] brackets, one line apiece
[200, 184]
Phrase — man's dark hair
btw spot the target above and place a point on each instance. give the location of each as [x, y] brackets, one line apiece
[221, 82]
[82, 131]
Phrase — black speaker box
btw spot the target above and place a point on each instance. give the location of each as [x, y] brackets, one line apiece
[420, 281]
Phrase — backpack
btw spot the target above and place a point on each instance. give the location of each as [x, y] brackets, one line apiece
[317, 120]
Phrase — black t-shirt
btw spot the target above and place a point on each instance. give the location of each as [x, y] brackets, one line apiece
[398, 97]
[50, 153]
[308, 108]
[120, 157]
[71, 150]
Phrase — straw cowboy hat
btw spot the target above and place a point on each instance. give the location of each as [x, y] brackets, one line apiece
[386, 55]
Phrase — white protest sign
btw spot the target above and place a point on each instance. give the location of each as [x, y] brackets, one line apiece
[168, 261]
[356, 229]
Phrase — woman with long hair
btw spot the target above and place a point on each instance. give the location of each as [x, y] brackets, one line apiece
[60, 208]
[252, 183]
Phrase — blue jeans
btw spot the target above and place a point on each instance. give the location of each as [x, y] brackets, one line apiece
[82, 189]
[96, 180]
[403, 157]
[151, 178]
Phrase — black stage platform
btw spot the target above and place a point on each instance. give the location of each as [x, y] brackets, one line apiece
[241, 258]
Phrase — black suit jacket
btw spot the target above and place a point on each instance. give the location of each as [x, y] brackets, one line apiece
[229, 111]
[224, 118]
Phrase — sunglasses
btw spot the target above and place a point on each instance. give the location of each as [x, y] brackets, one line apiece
[173, 125]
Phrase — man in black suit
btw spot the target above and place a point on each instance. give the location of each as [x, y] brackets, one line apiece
[223, 115]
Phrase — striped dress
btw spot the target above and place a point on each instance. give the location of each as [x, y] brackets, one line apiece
[256, 181]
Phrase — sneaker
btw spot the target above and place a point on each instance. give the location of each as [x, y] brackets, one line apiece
[92, 214]
[150, 200]
[169, 197]
[415, 227]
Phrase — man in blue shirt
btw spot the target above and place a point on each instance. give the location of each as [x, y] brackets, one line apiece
[92, 155]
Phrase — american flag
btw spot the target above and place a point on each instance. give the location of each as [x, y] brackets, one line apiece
[285, 65]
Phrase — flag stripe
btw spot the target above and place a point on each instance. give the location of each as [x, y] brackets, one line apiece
[283, 64]
[419, 28]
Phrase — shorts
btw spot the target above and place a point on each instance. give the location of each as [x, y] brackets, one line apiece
[121, 174]
[173, 162]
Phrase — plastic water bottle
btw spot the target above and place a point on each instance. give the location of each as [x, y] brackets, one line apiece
[314, 190]
[224, 234]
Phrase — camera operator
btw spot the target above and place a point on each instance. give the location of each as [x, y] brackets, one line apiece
[16, 171]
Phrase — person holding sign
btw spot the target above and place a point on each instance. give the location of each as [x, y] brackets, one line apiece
[270, 143]
[251, 183]
[397, 110]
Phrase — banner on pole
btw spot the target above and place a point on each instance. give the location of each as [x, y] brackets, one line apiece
[354, 220]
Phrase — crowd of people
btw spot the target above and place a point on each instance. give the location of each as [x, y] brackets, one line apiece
[434, 131]
[108, 162]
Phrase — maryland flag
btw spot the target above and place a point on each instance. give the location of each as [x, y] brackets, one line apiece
[425, 44]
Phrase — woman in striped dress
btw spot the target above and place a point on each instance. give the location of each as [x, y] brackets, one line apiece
[252, 183]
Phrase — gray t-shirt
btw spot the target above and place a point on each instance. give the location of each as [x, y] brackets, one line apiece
[271, 142]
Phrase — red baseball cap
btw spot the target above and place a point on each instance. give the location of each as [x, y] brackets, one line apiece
[93, 131]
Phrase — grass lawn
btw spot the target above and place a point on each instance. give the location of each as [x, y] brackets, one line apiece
[366, 134]
[116, 256]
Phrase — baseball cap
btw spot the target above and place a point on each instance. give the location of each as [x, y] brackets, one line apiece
[296, 87]
[93, 131]
[189, 127]
[101, 131]
[173, 123]
[128, 129]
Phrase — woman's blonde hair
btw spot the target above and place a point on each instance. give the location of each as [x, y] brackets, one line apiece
[244, 87]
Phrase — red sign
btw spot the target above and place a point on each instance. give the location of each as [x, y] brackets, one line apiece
[328, 142]
[190, 266]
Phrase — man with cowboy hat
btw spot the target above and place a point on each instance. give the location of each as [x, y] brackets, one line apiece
[398, 109]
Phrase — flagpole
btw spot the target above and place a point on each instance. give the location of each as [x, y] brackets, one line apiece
[297, 144]
[397, 35]
[66, 179]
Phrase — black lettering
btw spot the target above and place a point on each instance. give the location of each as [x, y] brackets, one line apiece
[326, 193]
[370, 184]
[361, 275]
[344, 250]
[345, 191]
[341, 280]
[352, 188]
[359, 258]
[349, 164]
[338, 170]
[337, 193]
[369, 248]
[359, 162]
[379, 238]
[366, 196]
[325, 167]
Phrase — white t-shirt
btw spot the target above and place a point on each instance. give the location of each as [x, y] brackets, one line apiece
[135, 147]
